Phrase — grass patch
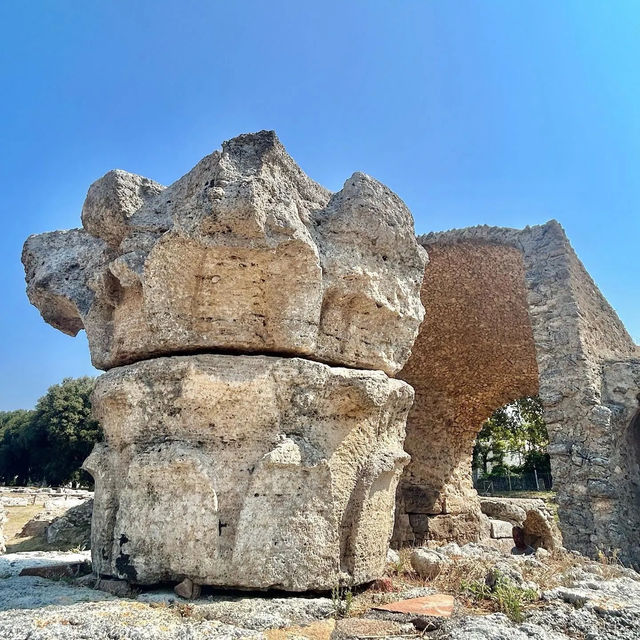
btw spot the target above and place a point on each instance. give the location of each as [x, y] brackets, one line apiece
[507, 597]
[17, 517]
[342, 600]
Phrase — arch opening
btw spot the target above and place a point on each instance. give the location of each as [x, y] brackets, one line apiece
[510, 453]
[513, 313]
[475, 352]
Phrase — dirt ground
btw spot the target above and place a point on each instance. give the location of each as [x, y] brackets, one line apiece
[17, 517]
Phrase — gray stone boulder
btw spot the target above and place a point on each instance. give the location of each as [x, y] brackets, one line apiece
[428, 563]
[243, 253]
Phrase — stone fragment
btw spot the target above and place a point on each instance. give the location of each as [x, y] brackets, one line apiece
[187, 589]
[118, 588]
[246, 471]
[244, 253]
[58, 571]
[11, 564]
[424, 613]
[112, 200]
[503, 509]
[393, 557]
[437, 605]
[428, 563]
[501, 529]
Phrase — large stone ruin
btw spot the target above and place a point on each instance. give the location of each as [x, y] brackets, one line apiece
[251, 323]
[510, 314]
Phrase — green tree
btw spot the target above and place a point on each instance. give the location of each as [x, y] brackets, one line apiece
[14, 448]
[63, 432]
[49, 444]
[518, 429]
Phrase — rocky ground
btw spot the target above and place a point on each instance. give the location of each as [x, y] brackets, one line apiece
[557, 596]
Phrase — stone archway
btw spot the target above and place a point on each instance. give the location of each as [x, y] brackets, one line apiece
[475, 353]
[511, 313]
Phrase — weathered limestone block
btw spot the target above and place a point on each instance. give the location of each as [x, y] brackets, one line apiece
[112, 200]
[246, 471]
[244, 253]
[3, 519]
[510, 509]
[501, 529]
[532, 514]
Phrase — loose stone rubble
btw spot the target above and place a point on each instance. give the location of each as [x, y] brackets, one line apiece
[540, 527]
[238, 451]
[569, 597]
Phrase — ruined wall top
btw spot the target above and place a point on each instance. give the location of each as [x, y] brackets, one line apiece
[549, 255]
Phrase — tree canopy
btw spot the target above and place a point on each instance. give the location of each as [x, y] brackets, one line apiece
[48, 444]
[517, 432]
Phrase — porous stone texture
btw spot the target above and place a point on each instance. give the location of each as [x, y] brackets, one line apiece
[533, 515]
[474, 353]
[234, 455]
[244, 253]
[513, 313]
[3, 519]
[246, 471]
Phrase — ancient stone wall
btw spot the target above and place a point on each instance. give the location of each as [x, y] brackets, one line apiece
[575, 336]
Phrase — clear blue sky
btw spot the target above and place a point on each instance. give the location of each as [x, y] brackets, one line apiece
[499, 112]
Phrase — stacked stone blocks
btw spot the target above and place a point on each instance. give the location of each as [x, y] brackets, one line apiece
[251, 323]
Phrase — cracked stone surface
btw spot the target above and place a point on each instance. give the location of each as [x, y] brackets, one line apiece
[244, 253]
[246, 471]
[238, 452]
